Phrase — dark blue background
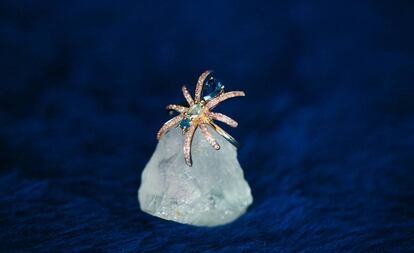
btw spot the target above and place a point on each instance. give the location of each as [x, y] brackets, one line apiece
[327, 127]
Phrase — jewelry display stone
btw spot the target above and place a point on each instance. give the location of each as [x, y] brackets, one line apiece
[212, 192]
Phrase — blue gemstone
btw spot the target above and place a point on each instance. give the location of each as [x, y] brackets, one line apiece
[211, 88]
[185, 123]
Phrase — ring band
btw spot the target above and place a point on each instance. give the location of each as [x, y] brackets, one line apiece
[223, 133]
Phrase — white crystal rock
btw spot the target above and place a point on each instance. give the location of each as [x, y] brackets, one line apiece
[212, 192]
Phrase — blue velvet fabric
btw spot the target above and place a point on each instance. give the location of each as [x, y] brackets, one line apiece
[326, 129]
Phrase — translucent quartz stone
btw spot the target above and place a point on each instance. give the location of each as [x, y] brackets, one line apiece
[212, 192]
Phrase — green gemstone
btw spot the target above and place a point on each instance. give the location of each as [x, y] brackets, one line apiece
[194, 110]
[192, 113]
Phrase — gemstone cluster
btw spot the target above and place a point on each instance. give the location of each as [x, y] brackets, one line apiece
[212, 87]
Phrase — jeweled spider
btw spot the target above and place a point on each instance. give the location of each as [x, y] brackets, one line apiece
[209, 93]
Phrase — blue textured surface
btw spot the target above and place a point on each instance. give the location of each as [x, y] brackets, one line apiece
[327, 139]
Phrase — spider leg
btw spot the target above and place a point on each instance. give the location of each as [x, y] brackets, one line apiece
[215, 101]
[168, 125]
[209, 137]
[187, 144]
[177, 108]
[187, 95]
[199, 87]
[223, 118]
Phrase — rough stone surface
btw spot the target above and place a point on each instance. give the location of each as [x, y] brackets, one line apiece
[211, 192]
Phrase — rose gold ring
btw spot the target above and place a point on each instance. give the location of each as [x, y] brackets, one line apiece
[209, 93]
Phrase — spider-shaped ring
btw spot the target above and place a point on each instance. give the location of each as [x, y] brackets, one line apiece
[209, 93]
